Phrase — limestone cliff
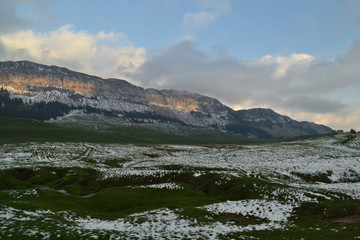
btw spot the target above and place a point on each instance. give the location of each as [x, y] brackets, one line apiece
[28, 78]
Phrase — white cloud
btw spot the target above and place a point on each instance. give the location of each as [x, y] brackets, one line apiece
[112, 37]
[199, 19]
[105, 54]
[214, 9]
[295, 62]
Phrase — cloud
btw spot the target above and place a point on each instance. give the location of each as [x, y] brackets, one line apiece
[223, 76]
[200, 19]
[18, 15]
[345, 120]
[105, 54]
[293, 84]
[221, 6]
[295, 63]
[2, 49]
[212, 9]
[313, 105]
[9, 17]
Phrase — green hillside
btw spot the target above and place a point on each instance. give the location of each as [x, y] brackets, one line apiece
[14, 130]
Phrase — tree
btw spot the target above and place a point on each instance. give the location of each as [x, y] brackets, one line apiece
[352, 131]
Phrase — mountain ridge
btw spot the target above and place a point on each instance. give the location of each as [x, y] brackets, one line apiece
[32, 82]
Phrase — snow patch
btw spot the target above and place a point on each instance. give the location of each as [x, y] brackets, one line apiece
[270, 210]
[169, 186]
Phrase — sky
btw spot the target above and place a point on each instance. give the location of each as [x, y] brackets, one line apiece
[300, 58]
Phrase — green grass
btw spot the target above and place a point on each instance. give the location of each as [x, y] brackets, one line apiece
[17, 130]
[348, 139]
[111, 203]
[80, 181]
[118, 197]
[114, 197]
[330, 209]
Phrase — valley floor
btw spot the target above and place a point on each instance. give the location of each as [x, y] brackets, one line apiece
[308, 189]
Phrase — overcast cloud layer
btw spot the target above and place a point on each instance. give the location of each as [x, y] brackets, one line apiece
[298, 85]
[9, 17]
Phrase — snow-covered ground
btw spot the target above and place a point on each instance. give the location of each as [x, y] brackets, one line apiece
[337, 158]
[271, 210]
[155, 224]
[339, 162]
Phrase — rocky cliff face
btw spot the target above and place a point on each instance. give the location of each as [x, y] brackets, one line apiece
[36, 83]
[26, 78]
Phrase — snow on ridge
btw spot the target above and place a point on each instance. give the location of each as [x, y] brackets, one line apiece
[340, 165]
[64, 97]
[274, 161]
[169, 186]
[77, 99]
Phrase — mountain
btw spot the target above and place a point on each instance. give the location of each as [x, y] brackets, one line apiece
[78, 98]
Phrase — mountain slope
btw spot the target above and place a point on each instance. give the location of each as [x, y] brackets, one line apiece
[120, 102]
[278, 125]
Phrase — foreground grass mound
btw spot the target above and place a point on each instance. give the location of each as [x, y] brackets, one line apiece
[67, 196]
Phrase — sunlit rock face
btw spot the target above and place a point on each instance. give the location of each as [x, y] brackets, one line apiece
[27, 77]
[34, 82]
[50, 83]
